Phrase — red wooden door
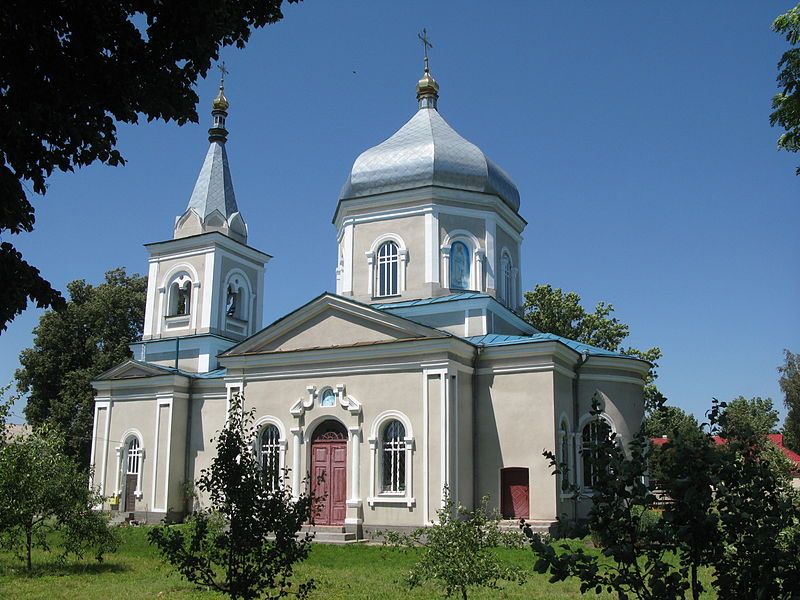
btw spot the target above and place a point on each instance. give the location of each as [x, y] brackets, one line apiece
[514, 493]
[329, 459]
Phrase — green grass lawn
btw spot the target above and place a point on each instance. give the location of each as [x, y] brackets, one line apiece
[355, 571]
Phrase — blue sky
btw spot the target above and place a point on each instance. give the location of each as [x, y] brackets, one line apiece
[637, 133]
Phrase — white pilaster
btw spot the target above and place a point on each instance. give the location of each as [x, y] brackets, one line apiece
[445, 266]
[432, 247]
[151, 318]
[355, 470]
[401, 276]
[491, 252]
[297, 440]
[370, 271]
[347, 252]
[480, 260]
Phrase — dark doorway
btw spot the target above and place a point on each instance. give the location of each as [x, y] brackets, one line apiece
[515, 503]
[130, 491]
[329, 458]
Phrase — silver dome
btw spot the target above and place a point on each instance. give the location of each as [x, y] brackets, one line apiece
[427, 151]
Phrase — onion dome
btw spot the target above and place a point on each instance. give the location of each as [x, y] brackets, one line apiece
[426, 151]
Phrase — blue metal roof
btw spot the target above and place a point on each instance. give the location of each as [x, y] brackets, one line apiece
[494, 339]
[215, 374]
[427, 301]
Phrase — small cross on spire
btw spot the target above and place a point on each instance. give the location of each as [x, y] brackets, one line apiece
[223, 71]
[426, 43]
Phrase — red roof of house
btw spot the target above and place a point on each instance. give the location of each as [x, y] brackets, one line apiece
[775, 438]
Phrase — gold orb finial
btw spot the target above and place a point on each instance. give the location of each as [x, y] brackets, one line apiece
[220, 102]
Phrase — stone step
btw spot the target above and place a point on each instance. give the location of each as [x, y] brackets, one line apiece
[537, 525]
[330, 534]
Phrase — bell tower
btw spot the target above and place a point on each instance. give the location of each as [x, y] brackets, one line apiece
[205, 284]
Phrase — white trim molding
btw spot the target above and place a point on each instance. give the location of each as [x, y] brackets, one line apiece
[376, 495]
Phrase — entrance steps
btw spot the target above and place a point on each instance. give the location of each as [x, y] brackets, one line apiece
[330, 534]
[537, 525]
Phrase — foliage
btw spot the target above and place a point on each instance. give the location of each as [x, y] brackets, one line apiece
[786, 103]
[72, 71]
[245, 544]
[44, 492]
[790, 386]
[666, 420]
[457, 550]
[635, 547]
[23, 281]
[748, 419]
[731, 507]
[554, 311]
[72, 347]
[759, 513]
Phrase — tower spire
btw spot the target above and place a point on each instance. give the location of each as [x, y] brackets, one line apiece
[212, 206]
[427, 88]
[219, 110]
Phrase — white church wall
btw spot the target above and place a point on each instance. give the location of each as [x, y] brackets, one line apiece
[411, 230]
[516, 416]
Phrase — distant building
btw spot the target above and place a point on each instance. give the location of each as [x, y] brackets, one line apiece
[418, 373]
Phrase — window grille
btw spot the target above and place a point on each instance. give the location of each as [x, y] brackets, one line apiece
[386, 274]
[134, 454]
[393, 479]
[564, 458]
[507, 286]
[593, 434]
[270, 452]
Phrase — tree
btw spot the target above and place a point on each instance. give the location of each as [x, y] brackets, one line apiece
[456, 551]
[790, 386]
[786, 103]
[553, 311]
[759, 511]
[746, 419]
[71, 71]
[246, 543]
[71, 347]
[731, 508]
[667, 420]
[45, 499]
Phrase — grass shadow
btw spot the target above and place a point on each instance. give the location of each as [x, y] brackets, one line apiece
[59, 569]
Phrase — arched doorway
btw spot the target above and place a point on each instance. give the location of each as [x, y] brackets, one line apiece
[131, 467]
[329, 460]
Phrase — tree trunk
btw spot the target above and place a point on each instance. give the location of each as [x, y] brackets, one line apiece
[695, 591]
[463, 593]
[28, 542]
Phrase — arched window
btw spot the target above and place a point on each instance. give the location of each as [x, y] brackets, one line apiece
[387, 273]
[328, 398]
[269, 450]
[180, 297]
[236, 297]
[594, 433]
[506, 280]
[133, 456]
[393, 465]
[459, 266]
[563, 456]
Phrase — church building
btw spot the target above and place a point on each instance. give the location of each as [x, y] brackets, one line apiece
[416, 375]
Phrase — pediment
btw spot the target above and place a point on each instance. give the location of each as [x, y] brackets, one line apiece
[132, 369]
[331, 321]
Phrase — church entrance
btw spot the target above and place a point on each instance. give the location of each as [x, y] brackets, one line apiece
[329, 459]
[514, 499]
